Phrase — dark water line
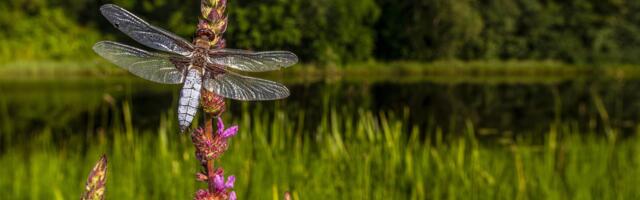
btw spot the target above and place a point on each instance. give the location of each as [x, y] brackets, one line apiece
[493, 108]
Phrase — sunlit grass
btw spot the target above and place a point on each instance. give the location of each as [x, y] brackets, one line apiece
[368, 156]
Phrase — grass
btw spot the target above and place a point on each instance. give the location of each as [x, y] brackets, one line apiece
[348, 156]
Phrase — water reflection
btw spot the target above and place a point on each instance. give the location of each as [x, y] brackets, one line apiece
[493, 106]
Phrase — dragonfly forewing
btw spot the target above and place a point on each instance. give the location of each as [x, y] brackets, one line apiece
[145, 33]
[161, 68]
[244, 88]
[252, 61]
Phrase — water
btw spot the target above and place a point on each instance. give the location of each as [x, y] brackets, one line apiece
[494, 105]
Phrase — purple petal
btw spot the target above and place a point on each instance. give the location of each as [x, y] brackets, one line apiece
[230, 182]
[220, 125]
[232, 195]
[213, 15]
[218, 180]
[229, 132]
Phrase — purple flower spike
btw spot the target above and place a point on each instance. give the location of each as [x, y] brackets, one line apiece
[232, 195]
[230, 182]
[95, 186]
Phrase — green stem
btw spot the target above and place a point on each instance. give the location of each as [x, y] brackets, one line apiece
[209, 133]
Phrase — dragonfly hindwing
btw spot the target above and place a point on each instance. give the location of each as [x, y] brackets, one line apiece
[238, 87]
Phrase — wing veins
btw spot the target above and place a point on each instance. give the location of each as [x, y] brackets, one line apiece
[151, 66]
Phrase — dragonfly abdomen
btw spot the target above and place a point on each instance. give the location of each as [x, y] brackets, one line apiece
[189, 98]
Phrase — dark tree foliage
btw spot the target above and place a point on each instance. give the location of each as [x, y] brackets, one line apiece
[341, 31]
[325, 31]
[575, 31]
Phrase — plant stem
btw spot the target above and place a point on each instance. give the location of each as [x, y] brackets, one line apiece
[211, 23]
[210, 134]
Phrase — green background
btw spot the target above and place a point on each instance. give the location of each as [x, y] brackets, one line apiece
[394, 99]
[339, 32]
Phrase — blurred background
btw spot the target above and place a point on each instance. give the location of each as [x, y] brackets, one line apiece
[414, 99]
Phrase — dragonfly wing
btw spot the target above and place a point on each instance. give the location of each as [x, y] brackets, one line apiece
[145, 33]
[155, 67]
[252, 61]
[244, 88]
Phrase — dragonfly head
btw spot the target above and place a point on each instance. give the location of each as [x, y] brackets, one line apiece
[203, 35]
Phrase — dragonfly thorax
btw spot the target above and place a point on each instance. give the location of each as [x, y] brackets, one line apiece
[199, 58]
[202, 42]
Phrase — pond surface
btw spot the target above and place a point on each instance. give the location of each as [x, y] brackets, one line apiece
[493, 105]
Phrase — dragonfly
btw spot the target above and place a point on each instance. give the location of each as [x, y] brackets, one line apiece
[195, 66]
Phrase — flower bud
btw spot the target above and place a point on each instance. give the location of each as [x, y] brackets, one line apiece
[201, 177]
[95, 186]
[212, 103]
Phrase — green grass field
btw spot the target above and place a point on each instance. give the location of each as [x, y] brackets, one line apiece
[369, 156]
